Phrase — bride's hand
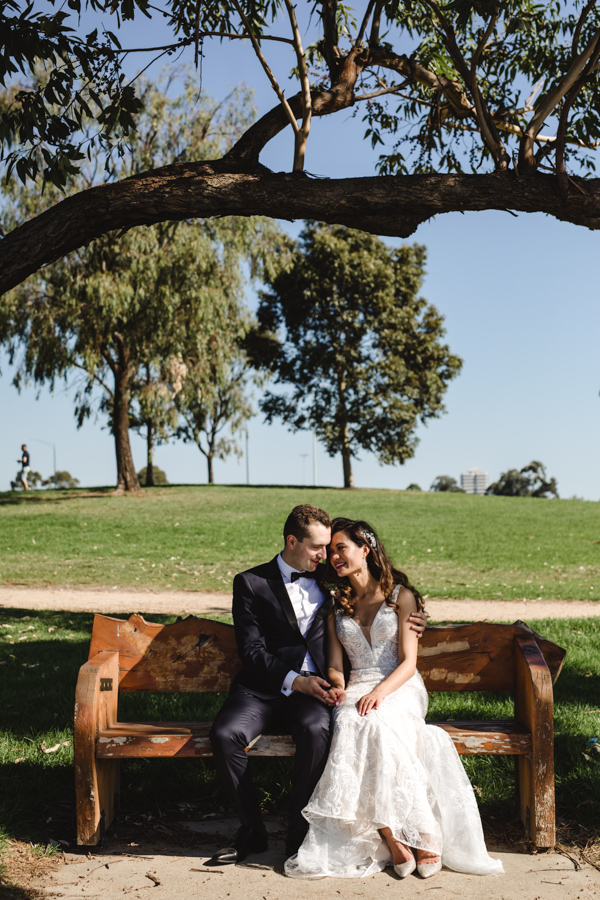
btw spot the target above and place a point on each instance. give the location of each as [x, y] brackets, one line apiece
[337, 694]
[369, 702]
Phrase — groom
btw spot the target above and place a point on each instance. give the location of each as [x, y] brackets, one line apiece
[279, 616]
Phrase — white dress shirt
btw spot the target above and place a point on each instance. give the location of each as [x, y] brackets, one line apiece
[306, 599]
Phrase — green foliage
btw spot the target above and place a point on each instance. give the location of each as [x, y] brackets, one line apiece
[62, 480]
[446, 483]
[413, 487]
[159, 476]
[69, 99]
[530, 481]
[213, 405]
[135, 312]
[359, 348]
[197, 537]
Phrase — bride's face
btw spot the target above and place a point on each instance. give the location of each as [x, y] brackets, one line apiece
[346, 557]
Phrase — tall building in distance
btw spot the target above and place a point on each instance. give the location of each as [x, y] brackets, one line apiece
[474, 481]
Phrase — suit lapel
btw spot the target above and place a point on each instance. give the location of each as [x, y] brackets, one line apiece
[326, 606]
[275, 582]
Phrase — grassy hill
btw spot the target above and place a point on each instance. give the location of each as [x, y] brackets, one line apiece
[197, 537]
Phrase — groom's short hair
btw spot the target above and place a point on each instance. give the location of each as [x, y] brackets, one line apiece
[302, 517]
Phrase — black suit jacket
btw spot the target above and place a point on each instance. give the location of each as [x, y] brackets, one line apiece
[269, 640]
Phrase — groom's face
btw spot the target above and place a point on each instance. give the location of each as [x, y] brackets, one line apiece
[306, 554]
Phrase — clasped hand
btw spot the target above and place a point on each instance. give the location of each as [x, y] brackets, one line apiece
[317, 687]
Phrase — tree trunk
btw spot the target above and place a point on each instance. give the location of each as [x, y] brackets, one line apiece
[209, 460]
[149, 464]
[346, 459]
[392, 205]
[127, 479]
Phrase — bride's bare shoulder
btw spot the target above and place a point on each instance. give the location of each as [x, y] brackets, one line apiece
[405, 599]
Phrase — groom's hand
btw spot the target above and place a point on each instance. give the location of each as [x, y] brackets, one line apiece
[314, 686]
[418, 622]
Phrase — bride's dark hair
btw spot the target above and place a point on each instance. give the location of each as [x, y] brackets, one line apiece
[379, 564]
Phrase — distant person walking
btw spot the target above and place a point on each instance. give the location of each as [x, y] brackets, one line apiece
[25, 466]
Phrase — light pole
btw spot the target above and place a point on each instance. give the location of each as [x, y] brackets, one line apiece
[304, 456]
[247, 460]
[48, 444]
[314, 458]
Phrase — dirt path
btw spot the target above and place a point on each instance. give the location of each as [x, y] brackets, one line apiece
[199, 603]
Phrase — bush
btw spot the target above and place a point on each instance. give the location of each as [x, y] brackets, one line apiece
[446, 483]
[160, 477]
[64, 481]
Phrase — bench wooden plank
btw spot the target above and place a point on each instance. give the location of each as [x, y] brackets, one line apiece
[163, 739]
[201, 655]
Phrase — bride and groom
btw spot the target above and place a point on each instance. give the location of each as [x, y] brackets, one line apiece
[373, 785]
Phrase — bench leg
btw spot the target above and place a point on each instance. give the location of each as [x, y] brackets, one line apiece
[96, 780]
[534, 707]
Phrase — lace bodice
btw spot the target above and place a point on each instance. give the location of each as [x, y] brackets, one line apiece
[382, 653]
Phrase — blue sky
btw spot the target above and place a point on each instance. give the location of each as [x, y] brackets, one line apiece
[519, 297]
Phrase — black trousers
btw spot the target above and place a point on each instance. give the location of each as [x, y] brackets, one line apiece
[242, 717]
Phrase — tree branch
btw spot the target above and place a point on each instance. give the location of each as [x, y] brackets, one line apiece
[330, 48]
[376, 24]
[561, 136]
[301, 136]
[527, 155]
[577, 33]
[483, 115]
[391, 205]
[364, 23]
[265, 65]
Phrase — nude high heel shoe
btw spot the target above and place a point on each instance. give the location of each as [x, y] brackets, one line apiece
[405, 868]
[426, 870]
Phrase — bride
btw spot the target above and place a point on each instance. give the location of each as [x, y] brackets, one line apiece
[394, 790]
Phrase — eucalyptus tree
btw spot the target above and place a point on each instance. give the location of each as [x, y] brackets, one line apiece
[486, 105]
[355, 352]
[130, 301]
[214, 404]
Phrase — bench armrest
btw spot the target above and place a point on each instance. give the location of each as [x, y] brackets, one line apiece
[96, 703]
[534, 706]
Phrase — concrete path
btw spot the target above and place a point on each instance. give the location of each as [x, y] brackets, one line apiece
[173, 873]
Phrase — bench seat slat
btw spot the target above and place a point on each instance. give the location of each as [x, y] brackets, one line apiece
[152, 739]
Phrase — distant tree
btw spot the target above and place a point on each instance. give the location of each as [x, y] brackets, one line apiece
[361, 351]
[158, 477]
[413, 487]
[214, 404]
[154, 414]
[530, 481]
[446, 483]
[128, 303]
[63, 481]
[34, 480]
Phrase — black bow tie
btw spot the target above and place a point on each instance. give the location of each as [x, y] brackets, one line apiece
[296, 575]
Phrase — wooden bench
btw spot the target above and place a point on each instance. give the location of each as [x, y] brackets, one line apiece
[201, 655]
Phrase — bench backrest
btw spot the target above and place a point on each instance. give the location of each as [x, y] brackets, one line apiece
[201, 655]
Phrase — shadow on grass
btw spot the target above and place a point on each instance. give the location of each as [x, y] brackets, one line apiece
[19, 498]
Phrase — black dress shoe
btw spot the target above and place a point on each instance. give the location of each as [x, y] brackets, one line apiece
[248, 839]
[293, 840]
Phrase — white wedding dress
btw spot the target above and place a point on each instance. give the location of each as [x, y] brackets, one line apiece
[388, 769]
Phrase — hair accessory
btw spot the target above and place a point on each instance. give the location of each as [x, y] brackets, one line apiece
[370, 537]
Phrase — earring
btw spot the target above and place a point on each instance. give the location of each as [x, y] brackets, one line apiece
[364, 565]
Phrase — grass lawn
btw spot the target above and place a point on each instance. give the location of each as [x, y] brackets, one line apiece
[41, 652]
[198, 537]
